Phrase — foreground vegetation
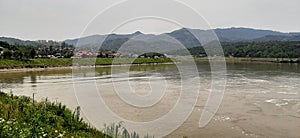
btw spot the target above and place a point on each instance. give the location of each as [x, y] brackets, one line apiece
[44, 63]
[21, 117]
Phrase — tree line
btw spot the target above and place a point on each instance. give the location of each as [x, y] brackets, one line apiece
[19, 52]
[275, 49]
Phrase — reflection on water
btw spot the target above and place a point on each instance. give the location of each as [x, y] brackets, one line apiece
[261, 99]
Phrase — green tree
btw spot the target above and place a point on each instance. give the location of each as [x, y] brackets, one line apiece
[32, 53]
[4, 44]
[18, 54]
[7, 54]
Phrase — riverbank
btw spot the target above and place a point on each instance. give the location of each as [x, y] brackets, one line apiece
[38, 65]
[47, 63]
[21, 116]
[273, 60]
[261, 60]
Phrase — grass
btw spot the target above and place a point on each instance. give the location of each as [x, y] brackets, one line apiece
[37, 63]
[21, 117]
[44, 63]
[119, 131]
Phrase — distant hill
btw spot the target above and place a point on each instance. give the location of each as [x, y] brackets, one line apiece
[244, 34]
[227, 35]
[184, 36]
[287, 38]
[14, 41]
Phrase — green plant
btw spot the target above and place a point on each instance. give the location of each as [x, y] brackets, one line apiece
[119, 131]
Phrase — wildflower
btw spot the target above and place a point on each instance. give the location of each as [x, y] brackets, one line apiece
[60, 135]
[2, 120]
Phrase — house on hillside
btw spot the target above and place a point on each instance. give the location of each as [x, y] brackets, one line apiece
[84, 54]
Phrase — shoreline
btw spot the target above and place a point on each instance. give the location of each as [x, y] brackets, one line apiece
[25, 70]
[256, 60]
[197, 59]
[272, 60]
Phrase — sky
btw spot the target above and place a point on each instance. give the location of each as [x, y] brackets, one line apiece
[68, 19]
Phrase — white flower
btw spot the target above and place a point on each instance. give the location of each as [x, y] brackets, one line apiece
[1, 120]
[60, 135]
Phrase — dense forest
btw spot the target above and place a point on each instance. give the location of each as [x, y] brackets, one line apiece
[274, 49]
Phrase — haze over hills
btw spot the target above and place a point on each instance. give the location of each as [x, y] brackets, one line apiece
[227, 35]
[15, 41]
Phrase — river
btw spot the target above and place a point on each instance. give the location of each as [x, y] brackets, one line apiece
[260, 100]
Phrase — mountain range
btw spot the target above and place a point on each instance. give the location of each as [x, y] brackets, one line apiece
[183, 35]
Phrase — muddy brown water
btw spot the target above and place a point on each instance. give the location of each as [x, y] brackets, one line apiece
[261, 99]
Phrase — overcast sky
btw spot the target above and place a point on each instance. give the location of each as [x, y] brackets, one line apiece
[64, 19]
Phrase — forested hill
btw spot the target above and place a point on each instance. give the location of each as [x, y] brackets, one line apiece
[184, 36]
[114, 41]
[237, 42]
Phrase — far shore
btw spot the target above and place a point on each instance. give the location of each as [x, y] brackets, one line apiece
[197, 59]
[37, 69]
[255, 60]
[68, 64]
